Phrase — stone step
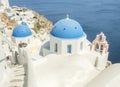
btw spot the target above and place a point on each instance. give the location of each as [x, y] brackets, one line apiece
[19, 66]
[19, 69]
[17, 77]
[16, 84]
[17, 80]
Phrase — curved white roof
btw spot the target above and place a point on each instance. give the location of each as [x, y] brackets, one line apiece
[110, 77]
[62, 71]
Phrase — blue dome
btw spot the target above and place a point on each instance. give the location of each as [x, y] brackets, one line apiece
[21, 31]
[67, 29]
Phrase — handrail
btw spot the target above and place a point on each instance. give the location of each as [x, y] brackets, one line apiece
[2, 59]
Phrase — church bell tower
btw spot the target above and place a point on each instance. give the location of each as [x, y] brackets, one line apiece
[100, 48]
[100, 44]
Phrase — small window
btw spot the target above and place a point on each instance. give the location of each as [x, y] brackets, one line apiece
[69, 49]
[75, 27]
[97, 47]
[56, 47]
[64, 29]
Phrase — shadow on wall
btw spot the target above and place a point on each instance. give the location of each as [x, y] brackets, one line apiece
[44, 46]
[16, 57]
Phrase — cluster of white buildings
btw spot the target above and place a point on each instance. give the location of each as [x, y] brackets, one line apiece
[18, 14]
[64, 58]
[3, 5]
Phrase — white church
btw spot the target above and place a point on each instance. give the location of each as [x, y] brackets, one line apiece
[62, 58]
[66, 39]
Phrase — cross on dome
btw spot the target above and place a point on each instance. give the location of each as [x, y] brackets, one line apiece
[67, 17]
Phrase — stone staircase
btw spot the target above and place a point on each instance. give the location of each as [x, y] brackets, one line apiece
[17, 78]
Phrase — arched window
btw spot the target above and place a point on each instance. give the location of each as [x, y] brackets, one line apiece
[97, 47]
[69, 49]
[101, 48]
[100, 37]
[56, 47]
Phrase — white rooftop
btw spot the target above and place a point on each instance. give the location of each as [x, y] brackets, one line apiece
[110, 77]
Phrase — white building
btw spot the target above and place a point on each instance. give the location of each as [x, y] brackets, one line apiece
[68, 38]
[3, 5]
[20, 14]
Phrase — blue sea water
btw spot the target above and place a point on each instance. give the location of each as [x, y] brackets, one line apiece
[94, 16]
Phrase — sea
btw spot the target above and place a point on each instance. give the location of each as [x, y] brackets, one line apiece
[95, 16]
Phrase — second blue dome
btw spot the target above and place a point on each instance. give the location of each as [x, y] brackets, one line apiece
[21, 31]
[67, 29]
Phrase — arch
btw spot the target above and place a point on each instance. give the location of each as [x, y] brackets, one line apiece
[101, 38]
[97, 47]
